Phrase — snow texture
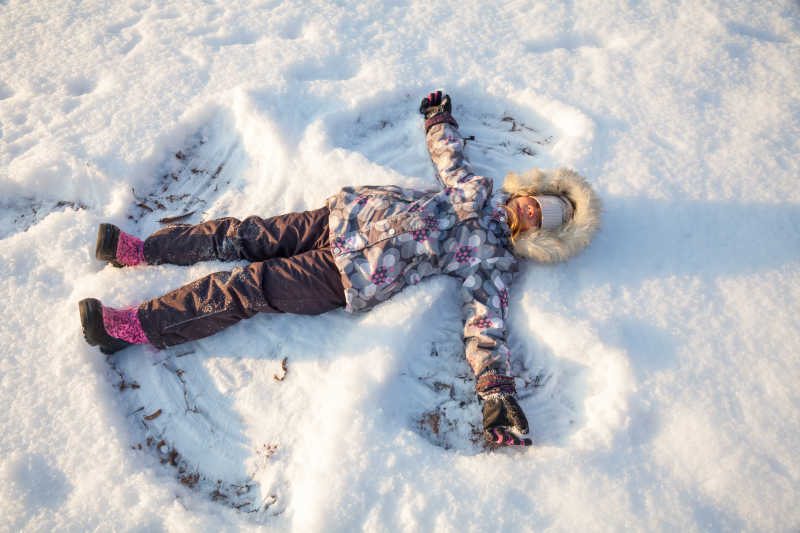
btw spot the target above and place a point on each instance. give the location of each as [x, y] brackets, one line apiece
[658, 369]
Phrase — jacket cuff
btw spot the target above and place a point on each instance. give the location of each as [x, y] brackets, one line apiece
[439, 119]
[491, 384]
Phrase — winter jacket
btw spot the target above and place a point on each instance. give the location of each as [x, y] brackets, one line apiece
[384, 238]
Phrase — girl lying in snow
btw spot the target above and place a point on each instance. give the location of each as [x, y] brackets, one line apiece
[364, 246]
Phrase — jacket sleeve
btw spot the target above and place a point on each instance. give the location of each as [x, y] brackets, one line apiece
[446, 148]
[485, 309]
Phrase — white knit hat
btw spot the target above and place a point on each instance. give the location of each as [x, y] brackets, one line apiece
[555, 210]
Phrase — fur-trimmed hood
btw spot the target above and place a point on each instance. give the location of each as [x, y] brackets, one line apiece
[557, 244]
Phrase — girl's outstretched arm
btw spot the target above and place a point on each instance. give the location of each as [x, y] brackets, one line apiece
[485, 308]
[444, 141]
[484, 295]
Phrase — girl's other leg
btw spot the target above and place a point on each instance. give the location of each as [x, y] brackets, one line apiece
[230, 239]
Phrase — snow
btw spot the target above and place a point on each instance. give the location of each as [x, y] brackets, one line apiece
[657, 368]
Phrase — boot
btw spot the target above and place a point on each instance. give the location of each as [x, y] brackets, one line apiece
[110, 329]
[117, 247]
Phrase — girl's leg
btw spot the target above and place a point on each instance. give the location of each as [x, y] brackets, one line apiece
[308, 283]
[229, 239]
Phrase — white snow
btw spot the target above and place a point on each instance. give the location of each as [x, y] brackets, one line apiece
[658, 368]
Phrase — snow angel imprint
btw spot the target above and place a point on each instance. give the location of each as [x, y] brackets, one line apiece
[364, 245]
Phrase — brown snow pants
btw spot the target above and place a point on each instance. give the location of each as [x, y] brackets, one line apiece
[291, 271]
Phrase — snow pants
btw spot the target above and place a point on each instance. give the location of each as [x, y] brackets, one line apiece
[291, 271]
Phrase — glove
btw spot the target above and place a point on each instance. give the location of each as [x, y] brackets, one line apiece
[436, 110]
[433, 104]
[500, 413]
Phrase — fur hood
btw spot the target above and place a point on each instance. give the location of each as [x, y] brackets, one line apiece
[558, 244]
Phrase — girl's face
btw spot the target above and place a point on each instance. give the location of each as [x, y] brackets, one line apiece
[528, 212]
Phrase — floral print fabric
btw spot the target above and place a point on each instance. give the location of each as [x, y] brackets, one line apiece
[385, 238]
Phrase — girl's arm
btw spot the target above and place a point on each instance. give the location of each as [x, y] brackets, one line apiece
[485, 294]
[445, 144]
[485, 309]
[446, 148]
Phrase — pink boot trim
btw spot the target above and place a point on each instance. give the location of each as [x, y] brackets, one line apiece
[130, 250]
[124, 324]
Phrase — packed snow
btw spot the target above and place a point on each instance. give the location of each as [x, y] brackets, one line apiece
[658, 369]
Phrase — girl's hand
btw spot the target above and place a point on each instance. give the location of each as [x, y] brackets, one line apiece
[434, 103]
[501, 414]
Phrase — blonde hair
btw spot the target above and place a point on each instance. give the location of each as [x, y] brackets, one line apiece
[512, 219]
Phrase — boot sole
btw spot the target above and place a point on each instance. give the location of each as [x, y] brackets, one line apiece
[106, 247]
[91, 311]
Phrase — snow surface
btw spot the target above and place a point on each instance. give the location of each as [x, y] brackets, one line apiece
[658, 369]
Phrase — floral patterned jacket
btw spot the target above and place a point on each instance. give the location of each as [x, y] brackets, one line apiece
[385, 238]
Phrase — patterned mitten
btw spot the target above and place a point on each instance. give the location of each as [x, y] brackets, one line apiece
[436, 110]
[501, 412]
